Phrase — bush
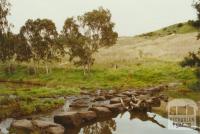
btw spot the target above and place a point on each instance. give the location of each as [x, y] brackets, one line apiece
[194, 23]
[192, 60]
[179, 25]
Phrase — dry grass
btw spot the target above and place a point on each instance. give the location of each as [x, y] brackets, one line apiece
[128, 49]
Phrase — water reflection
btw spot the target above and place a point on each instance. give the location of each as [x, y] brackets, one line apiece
[106, 127]
[130, 123]
[102, 127]
[145, 117]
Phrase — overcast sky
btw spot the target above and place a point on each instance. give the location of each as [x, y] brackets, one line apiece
[131, 16]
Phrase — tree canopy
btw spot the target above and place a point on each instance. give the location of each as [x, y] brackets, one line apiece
[86, 34]
[41, 36]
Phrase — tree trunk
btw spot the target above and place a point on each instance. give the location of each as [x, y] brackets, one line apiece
[47, 69]
[84, 70]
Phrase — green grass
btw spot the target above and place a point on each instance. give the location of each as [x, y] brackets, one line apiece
[63, 82]
[181, 28]
[33, 100]
[143, 74]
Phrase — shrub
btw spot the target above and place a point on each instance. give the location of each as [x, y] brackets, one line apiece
[179, 25]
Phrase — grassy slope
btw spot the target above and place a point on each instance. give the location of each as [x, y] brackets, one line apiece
[180, 28]
[141, 62]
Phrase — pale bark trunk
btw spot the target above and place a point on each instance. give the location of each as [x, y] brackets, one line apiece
[47, 69]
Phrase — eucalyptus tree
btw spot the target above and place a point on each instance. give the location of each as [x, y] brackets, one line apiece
[86, 34]
[4, 12]
[41, 36]
[7, 51]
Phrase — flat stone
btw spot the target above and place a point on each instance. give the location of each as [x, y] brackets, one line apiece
[141, 92]
[128, 93]
[115, 108]
[79, 103]
[102, 112]
[87, 116]
[115, 100]
[22, 124]
[154, 102]
[68, 119]
[100, 98]
[108, 96]
[76, 119]
[56, 130]
[121, 95]
[43, 124]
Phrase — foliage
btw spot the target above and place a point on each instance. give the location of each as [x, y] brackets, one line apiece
[40, 36]
[86, 34]
[193, 60]
[4, 12]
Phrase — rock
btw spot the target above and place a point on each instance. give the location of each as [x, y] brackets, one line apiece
[155, 90]
[79, 103]
[72, 130]
[164, 98]
[121, 95]
[68, 119]
[43, 124]
[87, 116]
[36, 126]
[56, 130]
[126, 100]
[75, 119]
[115, 108]
[100, 98]
[128, 93]
[108, 96]
[143, 97]
[141, 92]
[115, 100]
[154, 102]
[118, 100]
[102, 112]
[22, 124]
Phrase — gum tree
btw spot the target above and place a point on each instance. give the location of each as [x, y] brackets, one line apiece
[41, 36]
[7, 52]
[86, 34]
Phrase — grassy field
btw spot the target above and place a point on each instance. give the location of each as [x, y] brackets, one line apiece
[143, 73]
[134, 62]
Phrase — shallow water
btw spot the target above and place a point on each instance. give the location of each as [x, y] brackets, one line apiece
[126, 123]
[132, 123]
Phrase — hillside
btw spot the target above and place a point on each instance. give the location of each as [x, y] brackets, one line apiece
[169, 48]
[180, 28]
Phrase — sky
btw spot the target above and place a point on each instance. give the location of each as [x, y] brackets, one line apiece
[131, 17]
